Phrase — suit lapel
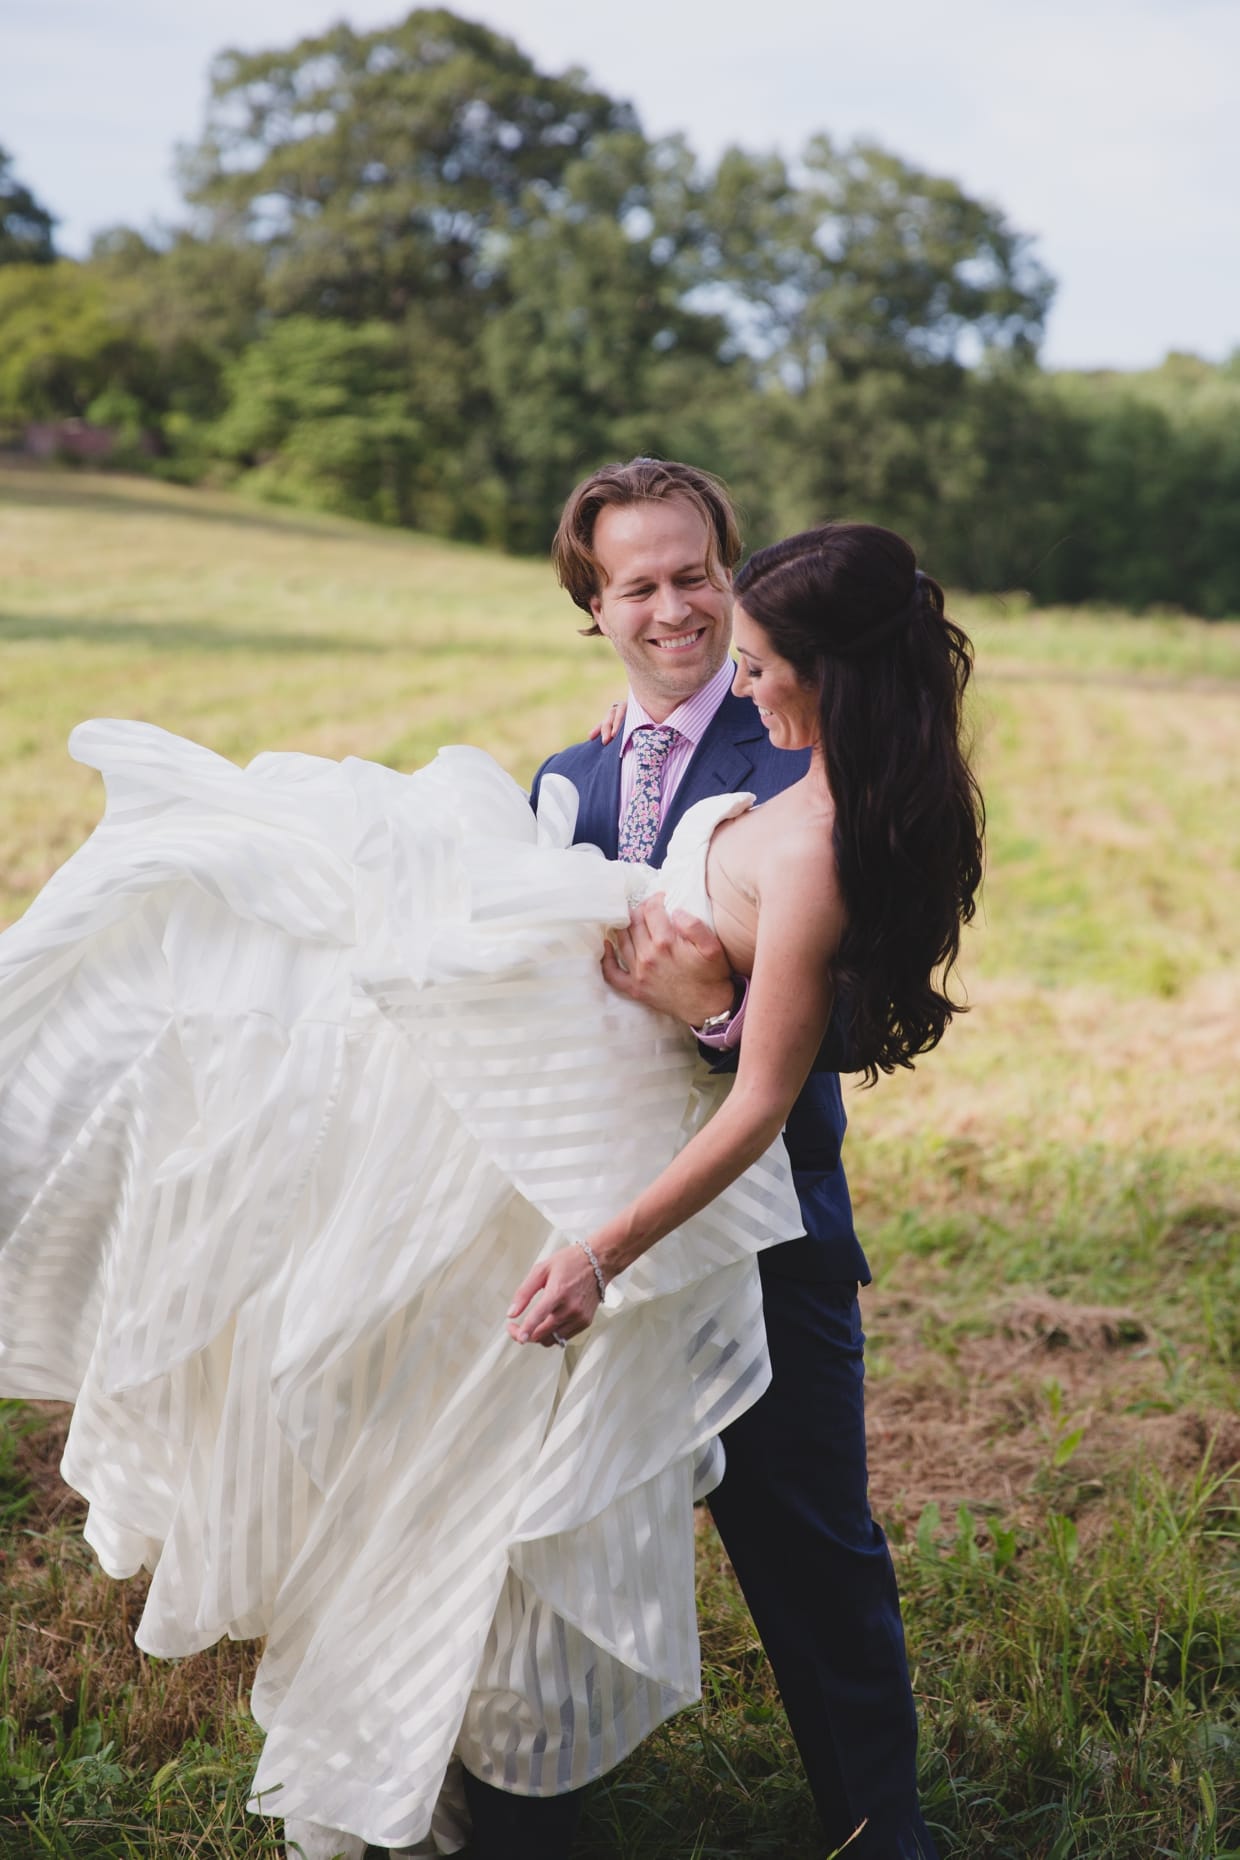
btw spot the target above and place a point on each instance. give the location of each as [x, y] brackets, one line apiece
[721, 764]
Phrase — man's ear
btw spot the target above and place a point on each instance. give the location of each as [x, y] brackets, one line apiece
[596, 612]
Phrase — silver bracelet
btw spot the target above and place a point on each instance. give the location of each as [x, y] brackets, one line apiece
[592, 1256]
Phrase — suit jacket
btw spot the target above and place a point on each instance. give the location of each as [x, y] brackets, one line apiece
[735, 756]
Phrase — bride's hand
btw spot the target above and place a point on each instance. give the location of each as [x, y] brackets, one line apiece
[609, 723]
[556, 1301]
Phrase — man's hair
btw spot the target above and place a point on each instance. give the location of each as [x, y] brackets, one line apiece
[640, 481]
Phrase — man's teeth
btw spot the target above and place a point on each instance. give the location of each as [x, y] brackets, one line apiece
[678, 645]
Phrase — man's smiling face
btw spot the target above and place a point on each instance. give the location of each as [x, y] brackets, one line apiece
[669, 622]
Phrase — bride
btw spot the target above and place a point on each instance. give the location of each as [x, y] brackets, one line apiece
[304, 1067]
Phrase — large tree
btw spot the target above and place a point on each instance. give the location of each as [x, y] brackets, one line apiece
[25, 225]
[596, 353]
[376, 168]
[859, 260]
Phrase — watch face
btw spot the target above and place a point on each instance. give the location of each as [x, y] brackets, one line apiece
[719, 1023]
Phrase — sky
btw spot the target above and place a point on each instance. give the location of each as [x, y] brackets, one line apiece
[1107, 129]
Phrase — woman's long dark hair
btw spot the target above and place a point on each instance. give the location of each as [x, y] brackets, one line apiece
[849, 609]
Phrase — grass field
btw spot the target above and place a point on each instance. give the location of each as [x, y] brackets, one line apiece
[1051, 1202]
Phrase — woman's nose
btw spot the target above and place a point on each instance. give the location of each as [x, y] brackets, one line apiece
[740, 681]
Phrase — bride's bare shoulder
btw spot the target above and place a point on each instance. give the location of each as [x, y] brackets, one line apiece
[783, 849]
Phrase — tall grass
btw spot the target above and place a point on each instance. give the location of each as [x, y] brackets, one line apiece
[1051, 1203]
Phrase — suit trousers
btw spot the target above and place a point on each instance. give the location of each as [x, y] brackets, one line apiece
[519, 1827]
[814, 1567]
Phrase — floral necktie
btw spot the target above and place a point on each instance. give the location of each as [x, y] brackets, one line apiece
[639, 828]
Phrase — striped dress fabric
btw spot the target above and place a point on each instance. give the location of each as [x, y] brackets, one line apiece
[302, 1066]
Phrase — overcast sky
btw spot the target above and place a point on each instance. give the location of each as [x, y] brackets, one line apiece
[1110, 129]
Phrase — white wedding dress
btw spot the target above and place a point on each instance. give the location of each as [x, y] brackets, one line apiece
[302, 1067]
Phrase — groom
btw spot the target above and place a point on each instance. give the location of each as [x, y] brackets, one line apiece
[647, 550]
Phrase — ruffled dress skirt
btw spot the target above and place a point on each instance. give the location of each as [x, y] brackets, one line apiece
[302, 1067]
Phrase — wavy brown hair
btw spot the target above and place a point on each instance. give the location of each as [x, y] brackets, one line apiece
[855, 617]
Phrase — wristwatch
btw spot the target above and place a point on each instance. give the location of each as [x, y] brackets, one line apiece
[718, 1023]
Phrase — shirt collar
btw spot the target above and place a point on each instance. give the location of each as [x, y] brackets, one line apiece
[690, 719]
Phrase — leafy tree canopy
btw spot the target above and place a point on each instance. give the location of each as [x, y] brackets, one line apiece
[64, 346]
[862, 260]
[375, 167]
[25, 225]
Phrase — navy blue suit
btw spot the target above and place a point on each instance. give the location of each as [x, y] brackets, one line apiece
[792, 1508]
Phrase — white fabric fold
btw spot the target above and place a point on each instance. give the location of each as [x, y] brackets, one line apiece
[302, 1066]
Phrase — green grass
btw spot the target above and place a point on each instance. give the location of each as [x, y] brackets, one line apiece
[1051, 1201]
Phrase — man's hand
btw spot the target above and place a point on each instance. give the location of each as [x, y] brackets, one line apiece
[675, 964]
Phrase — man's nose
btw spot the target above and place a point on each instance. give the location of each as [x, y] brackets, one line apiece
[671, 605]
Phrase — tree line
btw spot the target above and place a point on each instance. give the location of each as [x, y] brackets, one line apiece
[422, 281]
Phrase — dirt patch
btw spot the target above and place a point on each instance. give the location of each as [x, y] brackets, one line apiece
[1055, 1406]
[38, 1467]
[1055, 1325]
[71, 1630]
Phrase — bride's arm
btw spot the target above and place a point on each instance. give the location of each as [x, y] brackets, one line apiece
[789, 1007]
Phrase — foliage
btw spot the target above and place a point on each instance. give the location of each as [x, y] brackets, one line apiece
[1068, 487]
[864, 262]
[1158, 474]
[25, 225]
[196, 304]
[375, 168]
[513, 282]
[66, 346]
[318, 413]
[596, 352]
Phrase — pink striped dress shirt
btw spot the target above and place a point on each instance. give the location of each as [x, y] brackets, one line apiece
[690, 721]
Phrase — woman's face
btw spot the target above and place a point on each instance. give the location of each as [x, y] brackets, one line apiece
[787, 707]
